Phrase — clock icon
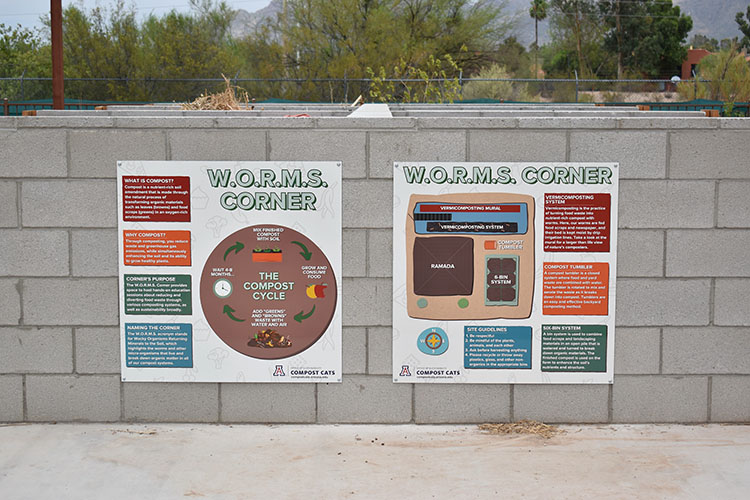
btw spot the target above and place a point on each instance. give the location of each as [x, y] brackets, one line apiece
[222, 288]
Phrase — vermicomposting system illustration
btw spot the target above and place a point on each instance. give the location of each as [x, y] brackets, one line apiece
[504, 272]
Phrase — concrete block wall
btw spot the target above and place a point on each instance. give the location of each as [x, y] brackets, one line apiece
[683, 312]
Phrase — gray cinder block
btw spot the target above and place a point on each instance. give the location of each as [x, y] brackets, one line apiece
[732, 302]
[354, 350]
[97, 350]
[354, 250]
[66, 398]
[640, 253]
[666, 204]
[380, 253]
[427, 145]
[176, 402]
[380, 351]
[517, 145]
[730, 398]
[217, 145]
[710, 154]
[561, 403]
[36, 350]
[347, 147]
[637, 351]
[367, 204]
[9, 205]
[641, 154]
[364, 399]
[656, 302]
[33, 153]
[706, 350]
[268, 403]
[367, 301]
[60, 301]
[94, 252]
[95, 153]
[11, 398]
[652, 398]
[719, 252]
[472, 403]
[33, 252]
[90, 203]
[734, 204]
[10, 306]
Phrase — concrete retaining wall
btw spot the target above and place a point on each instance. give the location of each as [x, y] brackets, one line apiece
[683, 313]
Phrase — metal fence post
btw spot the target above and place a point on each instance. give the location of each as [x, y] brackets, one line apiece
[576, 73]
[23, 98]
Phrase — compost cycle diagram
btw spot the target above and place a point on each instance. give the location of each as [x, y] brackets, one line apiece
[504, 272]
[229, 271]
[274, 280]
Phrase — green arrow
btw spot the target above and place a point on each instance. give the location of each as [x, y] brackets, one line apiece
[228, 311]
[301, 315]
[236, 247]
[304, 253]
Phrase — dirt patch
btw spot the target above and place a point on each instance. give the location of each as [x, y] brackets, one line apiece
[523, 427]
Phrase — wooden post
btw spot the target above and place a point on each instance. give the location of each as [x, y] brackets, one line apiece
[58, 90]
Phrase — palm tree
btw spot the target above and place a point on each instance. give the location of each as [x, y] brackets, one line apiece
[538, 11]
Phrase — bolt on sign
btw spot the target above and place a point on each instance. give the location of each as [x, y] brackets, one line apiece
[504, 272]
[230, 271]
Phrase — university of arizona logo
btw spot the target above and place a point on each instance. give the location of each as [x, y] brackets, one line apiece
[279, 372]
[405, 371]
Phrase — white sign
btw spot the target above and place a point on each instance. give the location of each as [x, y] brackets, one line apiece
[230, 271]
[504, 272]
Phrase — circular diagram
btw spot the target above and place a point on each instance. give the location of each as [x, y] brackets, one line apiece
[268, 291]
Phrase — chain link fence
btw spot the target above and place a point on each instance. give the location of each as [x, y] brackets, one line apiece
[336, 90]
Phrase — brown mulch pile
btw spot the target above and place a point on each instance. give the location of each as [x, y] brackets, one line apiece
[226, 100]
[523, 427]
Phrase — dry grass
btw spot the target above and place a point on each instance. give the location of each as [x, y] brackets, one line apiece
[522, 427]
[226, 100]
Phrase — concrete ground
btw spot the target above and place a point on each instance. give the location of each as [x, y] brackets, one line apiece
[166, 461]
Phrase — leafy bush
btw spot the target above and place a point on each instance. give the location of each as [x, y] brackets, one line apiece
[434, 81]
[500, 90]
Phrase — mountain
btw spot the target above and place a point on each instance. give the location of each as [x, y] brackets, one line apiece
[714, 19]
[245, 22]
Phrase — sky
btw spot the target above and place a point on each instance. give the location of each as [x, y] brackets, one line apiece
[27, 12]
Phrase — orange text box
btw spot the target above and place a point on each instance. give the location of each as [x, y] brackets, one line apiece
[156, 248]
[575, 288]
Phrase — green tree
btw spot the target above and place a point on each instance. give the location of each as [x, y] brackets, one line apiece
[102, 45]
[577, 34]
[538, 12]
[648, 36]
[122, 60]
[196, 45]
[703, 42]
[342, 38]
[744, 25]
[22, 54]
[512, 56]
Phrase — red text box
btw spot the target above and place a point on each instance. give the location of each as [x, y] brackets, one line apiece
[156, 248]
[575, 288]
[576, 222]
[155, 199]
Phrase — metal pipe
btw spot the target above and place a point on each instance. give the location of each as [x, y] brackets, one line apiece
[58, 79]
